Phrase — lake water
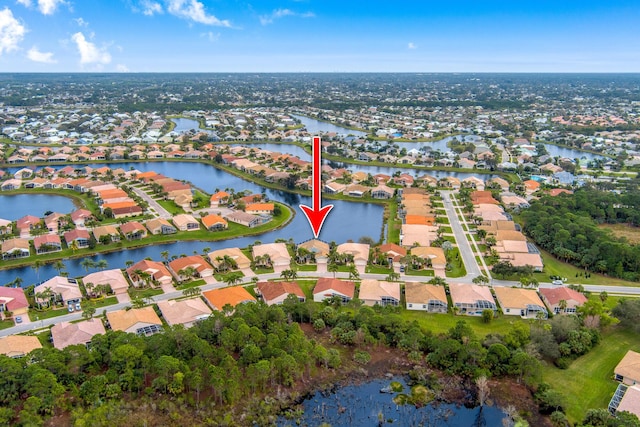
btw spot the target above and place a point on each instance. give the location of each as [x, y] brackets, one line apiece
[347, 220]
[316, 126]
[294, 150]
[364, 406]
[184, 125]
[16, 206]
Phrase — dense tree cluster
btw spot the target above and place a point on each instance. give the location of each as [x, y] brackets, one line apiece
[567, 227]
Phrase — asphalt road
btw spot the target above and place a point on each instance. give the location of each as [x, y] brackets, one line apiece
[468, 257]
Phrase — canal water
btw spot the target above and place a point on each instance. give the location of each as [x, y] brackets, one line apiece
[363, 405]
[16, 206]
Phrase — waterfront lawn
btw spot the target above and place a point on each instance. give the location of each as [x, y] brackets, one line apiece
[394, 224]
[441, 323]
[588, 382]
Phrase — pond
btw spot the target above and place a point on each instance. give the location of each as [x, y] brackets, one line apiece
[347, 220]
[316, 126]
[16, 206]
[363, 405]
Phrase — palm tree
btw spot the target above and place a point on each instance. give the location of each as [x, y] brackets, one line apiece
[87, 263]
[102, 264]
[332, 267]
[562, 305]
[59, 266]
[73, 246]
[17, 282]
[289, 274]
[89, 288]
[128, 263]
[165, 255]
[188, 272]
[37, 264]
[353, 273]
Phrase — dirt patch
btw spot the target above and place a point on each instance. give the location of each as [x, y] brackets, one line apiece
[508, 393]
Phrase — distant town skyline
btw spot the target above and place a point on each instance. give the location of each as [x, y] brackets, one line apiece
[318, 36]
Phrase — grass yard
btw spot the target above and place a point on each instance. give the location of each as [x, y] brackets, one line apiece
[35, 314]
[439, 323]
[632, 234]
[412, 272]
[144, 293]
[588, 382]
[555, 267]
[376, 269]
[457, 266]
[4, 324]
[104, 302]
[192, 284]
[306, 267]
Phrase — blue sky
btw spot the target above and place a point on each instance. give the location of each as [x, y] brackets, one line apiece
[319, 36]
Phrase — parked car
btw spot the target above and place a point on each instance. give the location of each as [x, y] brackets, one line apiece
[557, 282]
[70, 308]
[18, 319]
[78, 307]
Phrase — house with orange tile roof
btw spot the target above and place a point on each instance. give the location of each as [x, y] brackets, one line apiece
[201, 268]
[219, 198]
[327, 287]
[65, 334]
[79, 235]
[156, 270]
[185, 312]
[260, 208]
[140, 321]
[425, 297]
[133, 230]
[234, 295]
[572, 299]
[276, 292]
[392, 251]
[214, 222]
[531, 186]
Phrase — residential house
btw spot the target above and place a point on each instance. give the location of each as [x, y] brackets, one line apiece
[11, 184]
[562, 300]
[422, 296]
[133, 230]
[15, 248]
[160, 226]
[520, 302]
[244, 218]
[80, 216]
[216, 258]
[327, 287]
[219, 198]
[200, 267]
[319, 249]
[145, 271]
[113, 278]
[141, 321]
[14, 301]
[277, 253]
[232, 296]
[358, 252]
[185, 312]
[393, 252]
[276, 292]
[382, 192]
[471, 299]
[214, 222]
[378, 292]
[106, 234]
[260, 208]
[6, 227]
[79, 235]
[628, 369]
[65, 334]
[434, 255]
[58, 289]
[15, 346]
[186, 222]
[46, 243]
[28, 223]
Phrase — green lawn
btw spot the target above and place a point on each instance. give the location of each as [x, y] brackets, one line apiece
[221, 276]
[394, 224]
[412, 272]
[555, 267]
[4, 324]
[588, 382]
[439, 323]
[170, 206]
[446, 230]
[144, 293]
[306, 267]
[376, 269]
[457, 270]
[35, 314]
[192, 284]
[103, 302]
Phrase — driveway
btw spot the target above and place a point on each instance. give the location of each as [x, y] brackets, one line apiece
[160, 211]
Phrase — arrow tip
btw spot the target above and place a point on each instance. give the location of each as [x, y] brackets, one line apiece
[316, 218]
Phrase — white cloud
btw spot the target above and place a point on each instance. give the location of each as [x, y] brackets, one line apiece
[35, 55]
[150, 7]
[89, 52]
[213, 37]
[121, 68]
[281, 13]
[81, 22]
[412, 45]
[46, 7]
[11, 31]
[194, 10]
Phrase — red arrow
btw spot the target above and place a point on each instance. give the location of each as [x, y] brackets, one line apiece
[317, 215]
